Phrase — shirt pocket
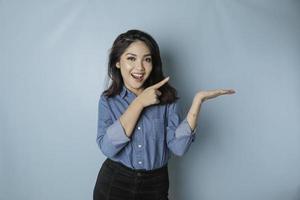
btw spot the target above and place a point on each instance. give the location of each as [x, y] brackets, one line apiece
[158, 129]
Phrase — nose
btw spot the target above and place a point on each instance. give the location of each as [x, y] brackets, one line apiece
[140, 65]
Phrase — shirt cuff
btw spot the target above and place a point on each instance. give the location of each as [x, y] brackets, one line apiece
[184, 129]
[116, 134]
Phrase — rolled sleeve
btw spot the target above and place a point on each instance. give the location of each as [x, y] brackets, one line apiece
[116, 134]
[111, 137]
[184, 130]
[179, 133]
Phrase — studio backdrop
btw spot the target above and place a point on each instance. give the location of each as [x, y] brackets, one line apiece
[53, 68]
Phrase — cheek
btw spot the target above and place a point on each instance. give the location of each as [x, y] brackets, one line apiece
[150, 68]
[126, 69]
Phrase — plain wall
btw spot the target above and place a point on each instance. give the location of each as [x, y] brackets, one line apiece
[53, 60]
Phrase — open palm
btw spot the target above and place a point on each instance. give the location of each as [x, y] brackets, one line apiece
[209, 94]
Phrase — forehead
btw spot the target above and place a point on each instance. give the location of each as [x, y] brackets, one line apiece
[138, 48]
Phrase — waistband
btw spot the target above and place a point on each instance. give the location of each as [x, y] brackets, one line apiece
[135, 172]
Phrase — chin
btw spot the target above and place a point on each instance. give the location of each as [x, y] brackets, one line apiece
[137, 85]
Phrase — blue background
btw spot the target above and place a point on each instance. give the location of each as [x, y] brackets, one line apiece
[53, 60]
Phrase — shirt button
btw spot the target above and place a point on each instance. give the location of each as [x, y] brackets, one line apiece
[139, 128]
[140, 162]
[139, 145]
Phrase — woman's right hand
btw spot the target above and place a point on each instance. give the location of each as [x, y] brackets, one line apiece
[149, 95]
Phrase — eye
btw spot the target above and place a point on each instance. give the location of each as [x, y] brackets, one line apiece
[148, 59]
[131, 58]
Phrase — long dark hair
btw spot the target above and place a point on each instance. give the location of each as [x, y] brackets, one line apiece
[169, 93]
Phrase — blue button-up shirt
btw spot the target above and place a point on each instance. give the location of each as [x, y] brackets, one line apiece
[159, 131]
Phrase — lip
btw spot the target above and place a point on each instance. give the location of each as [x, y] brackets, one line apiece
[139, 80]
[139, 74]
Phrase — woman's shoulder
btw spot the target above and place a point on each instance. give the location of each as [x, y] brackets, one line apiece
[108, 100]
[174, 105]
[174, 102]
[106, 96]
[104, 99]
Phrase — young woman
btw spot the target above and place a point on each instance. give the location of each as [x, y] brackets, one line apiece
[139, 123]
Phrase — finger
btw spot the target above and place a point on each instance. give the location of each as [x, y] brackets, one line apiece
[157, 92]
[161, 83]
[230, 91]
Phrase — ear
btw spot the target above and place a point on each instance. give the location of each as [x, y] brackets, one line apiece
[118, 65]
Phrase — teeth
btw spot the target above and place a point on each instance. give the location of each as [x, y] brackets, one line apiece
[138, 75]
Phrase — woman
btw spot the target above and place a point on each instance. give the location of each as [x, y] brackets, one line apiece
[139, 122]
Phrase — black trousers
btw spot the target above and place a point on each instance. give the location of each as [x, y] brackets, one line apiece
[116, 181]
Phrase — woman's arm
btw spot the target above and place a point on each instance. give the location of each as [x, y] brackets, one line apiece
[130, 116]
[146, 98]
[199, 98]
[192, 116]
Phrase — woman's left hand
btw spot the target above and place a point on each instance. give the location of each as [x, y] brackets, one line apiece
[199, 98]
[209, 94]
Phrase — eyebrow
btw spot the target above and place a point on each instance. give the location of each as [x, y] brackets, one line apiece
[149, 54]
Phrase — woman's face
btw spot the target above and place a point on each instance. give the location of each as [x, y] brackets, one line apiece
[135, 65]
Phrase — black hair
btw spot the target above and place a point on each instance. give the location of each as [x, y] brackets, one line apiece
[169, 93]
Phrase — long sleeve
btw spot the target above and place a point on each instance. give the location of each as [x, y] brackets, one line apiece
[111, 137]
[179, 133]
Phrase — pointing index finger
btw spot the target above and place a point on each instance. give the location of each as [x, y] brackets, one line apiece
[161, 83]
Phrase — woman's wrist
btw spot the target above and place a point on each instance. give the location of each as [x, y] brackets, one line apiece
[138, 103]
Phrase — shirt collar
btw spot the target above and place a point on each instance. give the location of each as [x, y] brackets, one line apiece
[125, 92]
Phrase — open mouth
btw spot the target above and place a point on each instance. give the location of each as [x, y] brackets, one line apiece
[138, 77]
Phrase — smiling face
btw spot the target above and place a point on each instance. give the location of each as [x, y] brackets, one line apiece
[135, 65]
